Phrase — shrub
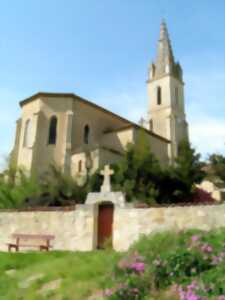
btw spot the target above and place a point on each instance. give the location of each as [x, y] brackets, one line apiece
[217, 163]
[140, 176]
[189, 265]
[14, 195]
[178, 266]
[131, 280]
[52, 189]
[138, 172]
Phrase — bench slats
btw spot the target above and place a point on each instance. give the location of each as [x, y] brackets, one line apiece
[33, 236]
[27, 245]
[39, 238]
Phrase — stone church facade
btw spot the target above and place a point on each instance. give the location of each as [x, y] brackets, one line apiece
[80, 136]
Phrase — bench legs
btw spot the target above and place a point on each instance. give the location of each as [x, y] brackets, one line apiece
[13, 246]
[44, 248]
[16, 247]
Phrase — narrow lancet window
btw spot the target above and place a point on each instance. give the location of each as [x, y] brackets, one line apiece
[86, 134]
[159, 95]
[52, 131]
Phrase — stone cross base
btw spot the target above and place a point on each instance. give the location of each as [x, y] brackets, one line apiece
[117, 198]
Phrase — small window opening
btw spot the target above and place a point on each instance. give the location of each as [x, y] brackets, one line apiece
[86, 134]
[53, 131]
[159, 95]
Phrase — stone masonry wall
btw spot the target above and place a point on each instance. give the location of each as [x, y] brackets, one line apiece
[73, 230]
[131, 223]
[77, 230]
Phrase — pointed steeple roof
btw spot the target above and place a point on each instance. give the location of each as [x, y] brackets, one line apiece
[165, 60]
[165, 63]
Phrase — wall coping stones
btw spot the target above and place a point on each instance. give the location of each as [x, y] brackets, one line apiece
[41, 209]
[117, 198]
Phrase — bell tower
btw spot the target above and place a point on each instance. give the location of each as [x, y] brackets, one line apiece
[166, 111]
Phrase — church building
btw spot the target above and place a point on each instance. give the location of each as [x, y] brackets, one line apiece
[80, 136]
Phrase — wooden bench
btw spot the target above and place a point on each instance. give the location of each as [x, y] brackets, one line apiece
[40, 241]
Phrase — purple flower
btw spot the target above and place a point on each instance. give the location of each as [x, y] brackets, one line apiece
[195, 238]
[206, 248]
[192, 296]
[138, 267]
[193, 286]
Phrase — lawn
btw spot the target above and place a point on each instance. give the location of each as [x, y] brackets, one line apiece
[23, 276]
[169, 259]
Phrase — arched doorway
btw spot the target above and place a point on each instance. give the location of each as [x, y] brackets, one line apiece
[105, 223]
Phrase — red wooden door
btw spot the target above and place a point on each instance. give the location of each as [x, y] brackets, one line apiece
[105, 223]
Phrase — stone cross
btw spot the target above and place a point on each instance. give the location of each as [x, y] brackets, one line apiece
[107, 172]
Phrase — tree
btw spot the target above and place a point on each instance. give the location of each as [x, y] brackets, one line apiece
[141, 178]
[217, 163]
[51, 189]
[137, 173]
[187, 171]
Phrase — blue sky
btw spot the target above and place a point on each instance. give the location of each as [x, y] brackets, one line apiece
[101, 50]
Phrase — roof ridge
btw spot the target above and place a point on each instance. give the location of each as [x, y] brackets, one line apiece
[77, 97]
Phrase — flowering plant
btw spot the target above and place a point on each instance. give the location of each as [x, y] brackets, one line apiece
[132, 282]
[181, 265]
[194, 266]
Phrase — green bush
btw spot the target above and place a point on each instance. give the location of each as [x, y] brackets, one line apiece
[14, 195]
[131, 280]
[178, 266]
[191, 262]
[52, 189]
[217, 166]
[141, 177]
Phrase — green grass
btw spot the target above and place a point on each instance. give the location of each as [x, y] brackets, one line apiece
[81, 273]
[84, 273]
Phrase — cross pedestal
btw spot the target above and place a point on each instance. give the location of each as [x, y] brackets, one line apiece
[107, 173]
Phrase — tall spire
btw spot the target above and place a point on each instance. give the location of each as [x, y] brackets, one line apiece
[165, 63]
[165, 59]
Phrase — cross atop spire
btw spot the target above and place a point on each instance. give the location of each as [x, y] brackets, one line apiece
[165, 63]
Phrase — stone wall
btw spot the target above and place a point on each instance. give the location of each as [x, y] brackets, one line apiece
[77, 229]
[130, 224]
[73, 230]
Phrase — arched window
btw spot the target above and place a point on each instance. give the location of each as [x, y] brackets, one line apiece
[27, 134]
[80, 166]
[159, 95]
[52, 137]
[86, 134]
